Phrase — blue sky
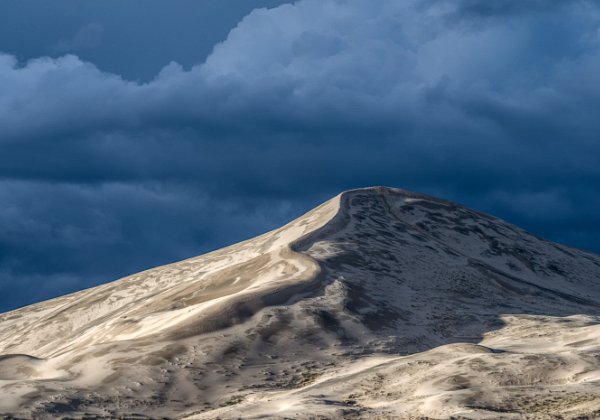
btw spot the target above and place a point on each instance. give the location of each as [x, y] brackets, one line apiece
[138, 133]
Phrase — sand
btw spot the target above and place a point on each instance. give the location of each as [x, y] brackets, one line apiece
[380, 303]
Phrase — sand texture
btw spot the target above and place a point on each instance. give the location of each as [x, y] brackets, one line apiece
[380, 303]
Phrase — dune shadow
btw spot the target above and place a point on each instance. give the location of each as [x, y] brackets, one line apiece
[421, 272]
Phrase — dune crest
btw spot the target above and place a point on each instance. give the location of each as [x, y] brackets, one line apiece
[380, 302]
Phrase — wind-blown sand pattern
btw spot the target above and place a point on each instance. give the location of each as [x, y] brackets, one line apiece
[379, 303]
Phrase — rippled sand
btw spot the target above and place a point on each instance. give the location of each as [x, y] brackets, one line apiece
[379, 303]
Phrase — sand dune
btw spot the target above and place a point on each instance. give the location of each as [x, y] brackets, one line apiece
[379, 303]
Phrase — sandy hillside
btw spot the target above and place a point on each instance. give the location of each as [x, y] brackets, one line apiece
[379, 303]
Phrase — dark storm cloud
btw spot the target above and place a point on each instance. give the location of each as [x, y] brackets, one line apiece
[104, 176]
[134, 38]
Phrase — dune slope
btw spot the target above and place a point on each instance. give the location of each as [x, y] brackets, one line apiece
[378, 303]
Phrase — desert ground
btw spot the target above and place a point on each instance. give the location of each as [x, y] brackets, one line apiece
[380, 303]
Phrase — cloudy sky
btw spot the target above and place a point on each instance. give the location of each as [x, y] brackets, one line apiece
[136, 133]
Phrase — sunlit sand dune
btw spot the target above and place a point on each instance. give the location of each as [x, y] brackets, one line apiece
[379, 303]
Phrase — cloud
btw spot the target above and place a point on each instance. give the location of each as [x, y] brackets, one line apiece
[491, 106]
[133, 38]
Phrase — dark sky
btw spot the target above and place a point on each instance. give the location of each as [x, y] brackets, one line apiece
[137, 133]
[134, 38]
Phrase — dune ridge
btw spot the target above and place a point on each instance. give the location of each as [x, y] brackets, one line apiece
[380, 302]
